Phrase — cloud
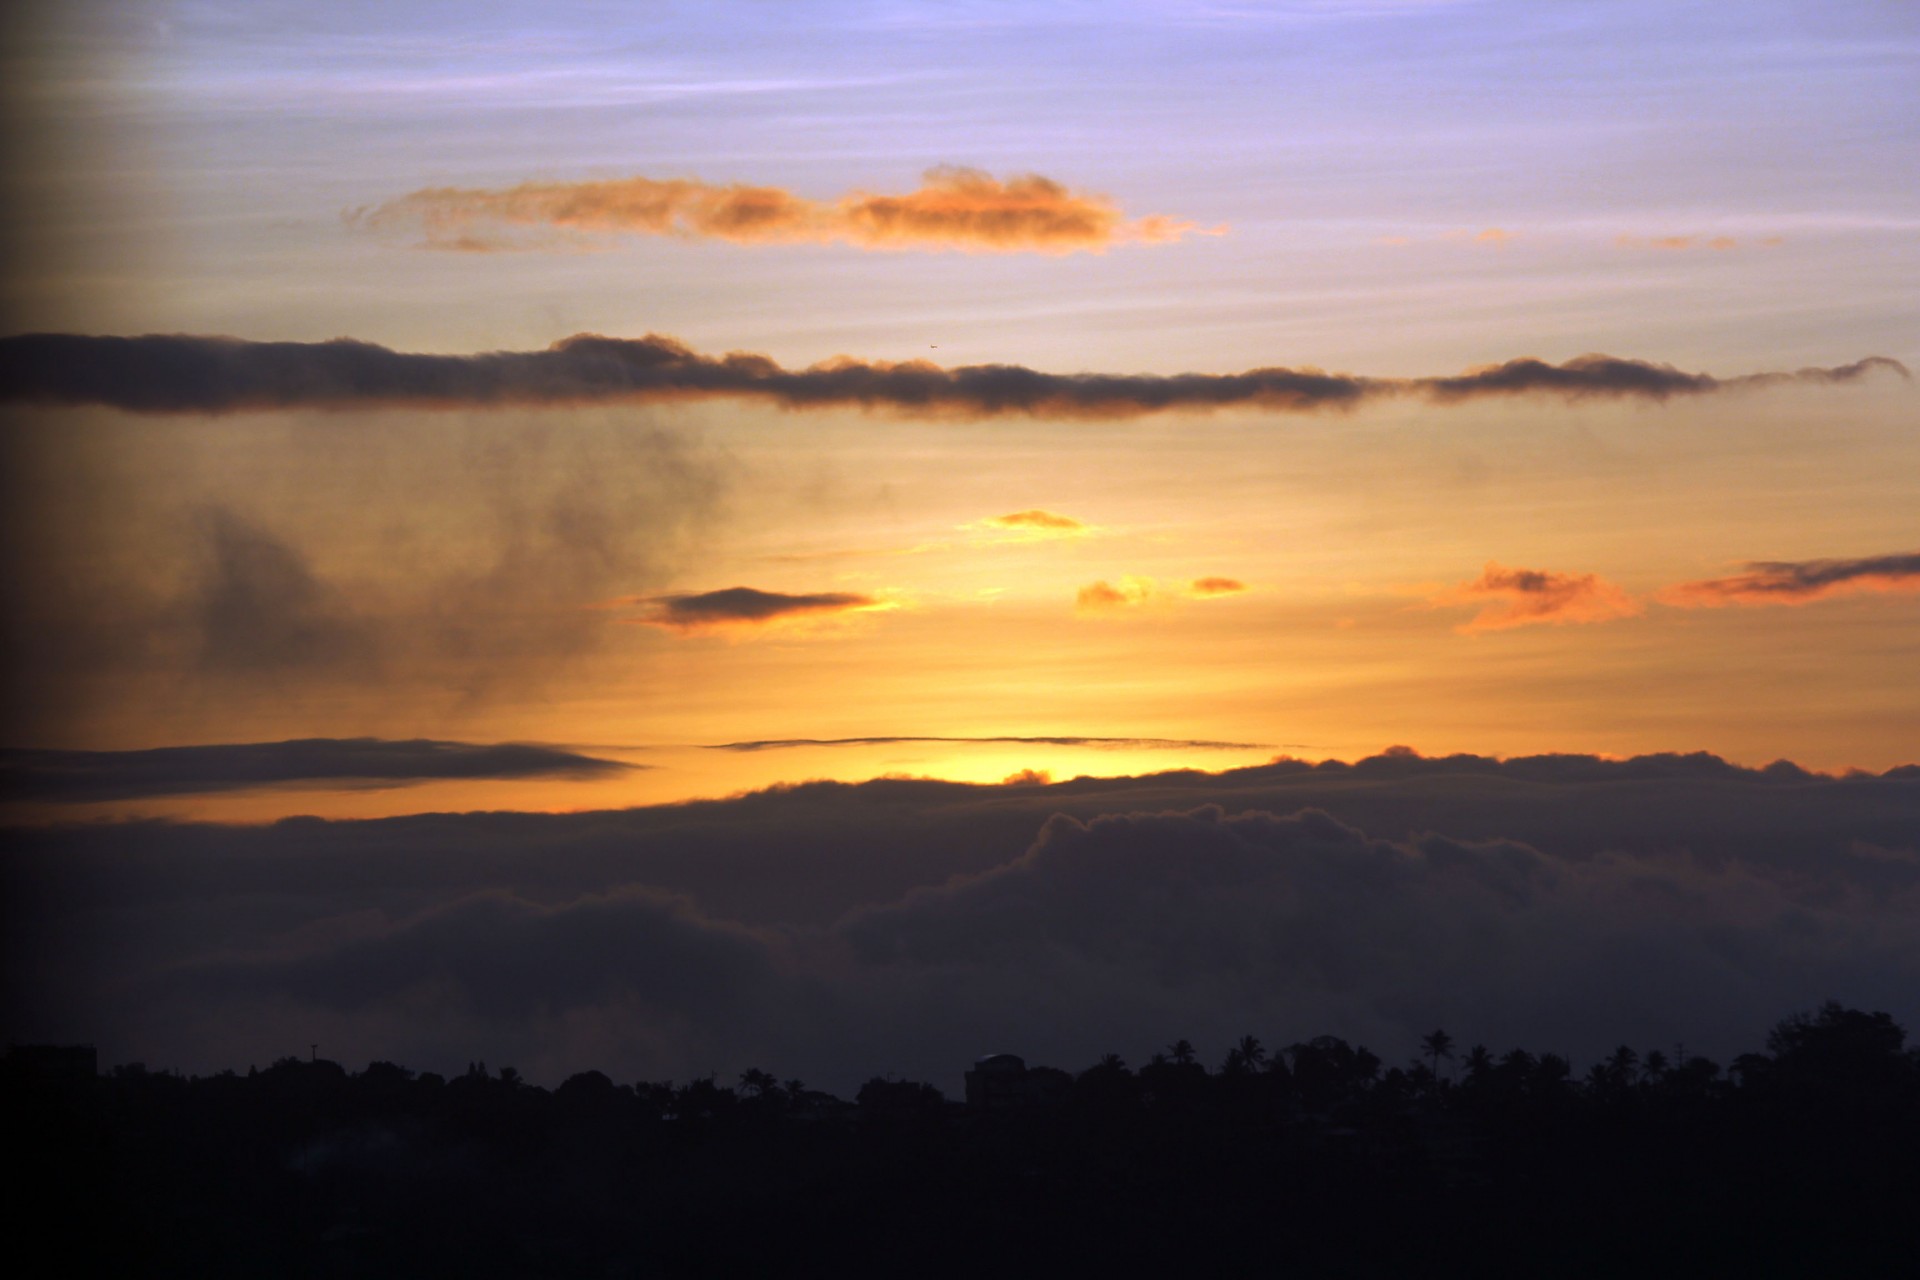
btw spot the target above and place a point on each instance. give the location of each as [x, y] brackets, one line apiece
[1038, 522]
[1104, 744]
[1103, 596]
[1719, 244]
[746, 606]
[1524, 597]
[415, 568]
[1799, 581]
[834, 931]
[210, 375]
[258, 606]
[47, 775]
[954, 208]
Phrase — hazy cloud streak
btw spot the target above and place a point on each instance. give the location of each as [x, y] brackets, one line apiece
[161, 373]
[1103, 744]
[954, 208]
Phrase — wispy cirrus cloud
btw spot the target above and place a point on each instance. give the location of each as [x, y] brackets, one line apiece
[952, 209]
[174, 373]
[1204, 588]
[1766, 582]
[746, 607]
[1510, 598]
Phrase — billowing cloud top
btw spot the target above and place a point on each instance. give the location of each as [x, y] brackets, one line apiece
[734, 606]
[1524, 597]
[1799, 581]
[369, 762]
[211, 375]
[954, 208]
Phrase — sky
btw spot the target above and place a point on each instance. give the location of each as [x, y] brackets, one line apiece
[605, 413]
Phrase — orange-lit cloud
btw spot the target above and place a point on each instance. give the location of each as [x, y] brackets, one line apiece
[1525, 597]
[746, 606]
[954, 208]
[1104, 596]
[1682, 243]
[161, 373]
[1037, 521]
[1798, 581]
[1215, 587]
[1486, 235]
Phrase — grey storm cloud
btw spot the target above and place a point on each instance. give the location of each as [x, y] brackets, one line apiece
[171, 373]
[48, 775]
[835, 931]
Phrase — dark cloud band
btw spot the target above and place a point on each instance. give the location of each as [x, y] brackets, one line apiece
[212, 375]
[121, 775]
[1800, 581]
[748, 605]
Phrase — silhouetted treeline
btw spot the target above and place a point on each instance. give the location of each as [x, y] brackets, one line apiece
[1312, 1159]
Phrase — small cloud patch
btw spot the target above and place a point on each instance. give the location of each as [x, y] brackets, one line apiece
[1510, 598]
[748, 607]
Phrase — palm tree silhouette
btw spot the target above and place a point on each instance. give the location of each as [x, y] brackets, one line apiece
[1438, 1044]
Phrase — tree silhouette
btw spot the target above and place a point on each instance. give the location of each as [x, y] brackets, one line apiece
[1438, 1044]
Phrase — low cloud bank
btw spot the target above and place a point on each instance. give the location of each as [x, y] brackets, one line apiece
[46, 775]
[212, 375]
[952, 209]
[832, 931]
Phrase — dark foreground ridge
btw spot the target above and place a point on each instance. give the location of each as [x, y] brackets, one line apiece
[1314, 1160]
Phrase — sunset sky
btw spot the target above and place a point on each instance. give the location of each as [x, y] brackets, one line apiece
[423, 408]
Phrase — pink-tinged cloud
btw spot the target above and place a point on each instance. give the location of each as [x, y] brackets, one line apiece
[954, 208]
[1527, 597]
[1215, 587]
[746, 607]
[1798, 581]
[162, 373]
